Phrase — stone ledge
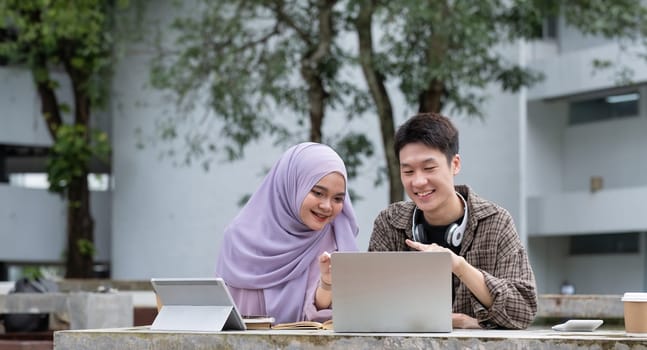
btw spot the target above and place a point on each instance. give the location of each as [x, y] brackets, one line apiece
[540, 339]
[92, 285]
[594, 306]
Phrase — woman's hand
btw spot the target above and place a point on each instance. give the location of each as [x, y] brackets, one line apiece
[325, 268]
[323, 294]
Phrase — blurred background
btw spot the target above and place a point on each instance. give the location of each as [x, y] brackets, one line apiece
[131, 132]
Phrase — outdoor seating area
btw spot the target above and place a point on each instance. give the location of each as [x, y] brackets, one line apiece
[323, 175]
[78, 305]
[126, 312]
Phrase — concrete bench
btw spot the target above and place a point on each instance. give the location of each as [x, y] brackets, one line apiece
[84, 310]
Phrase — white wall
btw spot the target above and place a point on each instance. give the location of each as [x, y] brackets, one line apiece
[168, 221]
[490, 154]
[572, 72]
[562, 158]
[490, 149]
[545, 142]
[33, 221]
[606, 273]
[570, 39]
[611, 210]
[32, 225]
[547, 258]
[20, 119]
[591, 274]
[614, 150]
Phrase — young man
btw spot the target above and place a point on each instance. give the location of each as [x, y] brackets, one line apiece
[494, 286]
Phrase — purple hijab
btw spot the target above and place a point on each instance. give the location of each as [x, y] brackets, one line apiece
[267, 246]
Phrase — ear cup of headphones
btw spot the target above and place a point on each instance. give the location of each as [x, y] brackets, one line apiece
[419, 233]
[453, 236]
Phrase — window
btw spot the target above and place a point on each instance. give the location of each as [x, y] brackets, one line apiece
[604, 108]
[24, 166]
[609, 243]
[96, 182]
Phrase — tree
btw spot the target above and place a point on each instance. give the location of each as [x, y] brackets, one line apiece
[441, 53]
[255, 60]
[73, 37]
[375, 80]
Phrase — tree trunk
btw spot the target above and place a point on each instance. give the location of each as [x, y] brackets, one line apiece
[317, 101]
[80, 230]
[311, 69]
[375, 82]
[80, 224]
[48, 101]
[430, 99]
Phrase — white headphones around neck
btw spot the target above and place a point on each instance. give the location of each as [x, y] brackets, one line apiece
[454, 233]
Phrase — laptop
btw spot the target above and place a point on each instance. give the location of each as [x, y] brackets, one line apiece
[402, 292]
[195, 304]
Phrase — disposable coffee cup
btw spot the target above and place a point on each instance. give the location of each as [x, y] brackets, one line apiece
[635, 306]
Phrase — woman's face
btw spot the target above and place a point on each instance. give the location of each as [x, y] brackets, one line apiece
[324, 201]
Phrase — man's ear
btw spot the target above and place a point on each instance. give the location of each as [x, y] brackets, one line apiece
[456, 164]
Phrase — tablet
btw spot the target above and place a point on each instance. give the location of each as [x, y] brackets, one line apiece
[195, 304]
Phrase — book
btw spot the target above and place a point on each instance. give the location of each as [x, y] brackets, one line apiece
[258, 322]
[304, 325]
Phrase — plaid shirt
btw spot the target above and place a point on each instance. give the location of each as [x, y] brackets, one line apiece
[490, 244]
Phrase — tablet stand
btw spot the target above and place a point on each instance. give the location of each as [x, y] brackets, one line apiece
[194, 318]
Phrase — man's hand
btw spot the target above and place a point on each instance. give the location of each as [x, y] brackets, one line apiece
[464, 321]
[472, 277]
[456, 260]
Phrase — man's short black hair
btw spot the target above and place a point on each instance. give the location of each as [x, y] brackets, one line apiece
[431, 129]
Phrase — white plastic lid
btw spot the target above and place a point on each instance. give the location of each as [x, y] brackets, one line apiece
[635, 297]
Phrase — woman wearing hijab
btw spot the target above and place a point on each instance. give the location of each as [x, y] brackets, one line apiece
[274, 255]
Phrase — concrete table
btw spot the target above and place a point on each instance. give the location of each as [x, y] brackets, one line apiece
[143, 338]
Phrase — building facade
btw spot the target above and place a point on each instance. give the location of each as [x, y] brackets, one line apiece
[566, 157]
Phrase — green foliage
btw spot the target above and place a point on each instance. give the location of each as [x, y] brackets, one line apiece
[244, 63]
[75, 37]
[222, 51]
[243, 200]
[449, 45]
[72, 151]
[75, 34]
[610, 19]
[86, 247]
[32, 272]
[236, 66]
[354, 148]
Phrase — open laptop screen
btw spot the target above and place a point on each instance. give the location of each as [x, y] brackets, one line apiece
[392, 291]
